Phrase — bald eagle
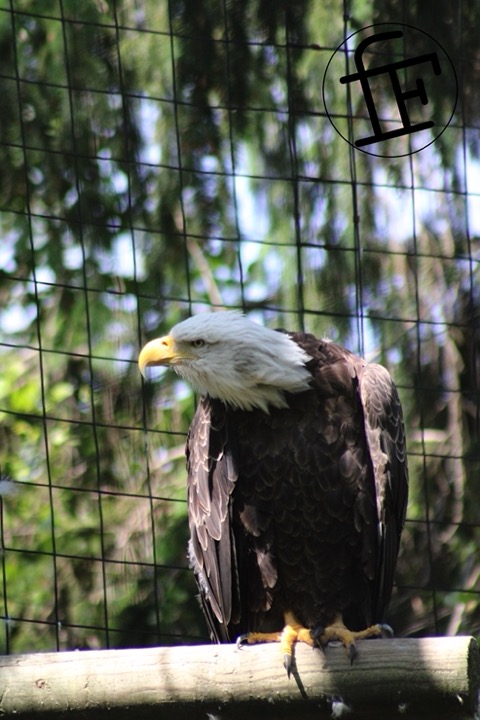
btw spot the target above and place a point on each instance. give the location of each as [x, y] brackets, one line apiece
[297, 481]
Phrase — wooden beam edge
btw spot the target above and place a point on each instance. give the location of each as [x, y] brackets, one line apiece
[439, 677]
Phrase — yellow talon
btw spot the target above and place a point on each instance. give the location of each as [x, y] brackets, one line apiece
[292, 633]
[338, 631]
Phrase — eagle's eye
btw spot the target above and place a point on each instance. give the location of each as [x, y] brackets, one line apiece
[198, 343]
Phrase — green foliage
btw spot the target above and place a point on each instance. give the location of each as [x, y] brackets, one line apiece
[147, 175]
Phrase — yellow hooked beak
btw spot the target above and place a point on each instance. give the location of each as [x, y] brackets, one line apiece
[161, 351]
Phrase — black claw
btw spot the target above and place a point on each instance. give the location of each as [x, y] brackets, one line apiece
[352, 652]
[242, 640]
[387, 631]
[287, 664]
[316, 635]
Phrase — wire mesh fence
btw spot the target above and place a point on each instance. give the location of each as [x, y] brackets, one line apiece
[162, 159]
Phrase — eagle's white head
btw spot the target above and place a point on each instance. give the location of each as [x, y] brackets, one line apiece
[227, 356]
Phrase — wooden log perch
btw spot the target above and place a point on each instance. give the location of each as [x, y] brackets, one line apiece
[405, 678]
